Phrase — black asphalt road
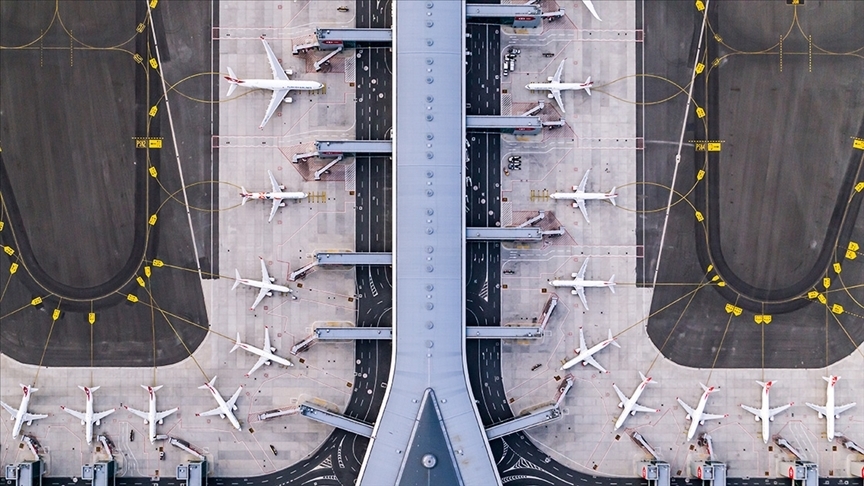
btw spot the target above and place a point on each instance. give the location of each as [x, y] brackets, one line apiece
[778, 200]
[77, 195]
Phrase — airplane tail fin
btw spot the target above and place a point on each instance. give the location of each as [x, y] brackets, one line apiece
[614, 343]
[611, 194]
[705, 388]
[244, 195]
[588, 85]
[649, 379]
[232, 81]
[25, 387]
[236, 345]
[237, 279]
[611, 283]
[211, 383]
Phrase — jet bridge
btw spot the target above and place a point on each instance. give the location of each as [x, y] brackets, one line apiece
[541, 416]
[330, 39]
[520, 125]
[335, 148]
[325, 416]
[519, 16]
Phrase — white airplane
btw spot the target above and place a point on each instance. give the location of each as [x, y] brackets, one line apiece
[579, 284]
[265, 353]
[88, 418]
[151, 416]
[579, 196]
[590, 7]
[629, 405]
[584, 354]
[698, 416]
[280, 84]
[22, 415]
[766, 414]
[276, 196]
[265, 284]
[225, 409]
[831, 411]
[555, 86]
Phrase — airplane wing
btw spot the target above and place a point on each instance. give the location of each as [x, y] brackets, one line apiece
[215, 411]
[266, 339]
[257, 365]
[643, 409]
[818, 408]
[261, 295]
[162, 415]
[581, 273]
[591, 361]
[557, 77]
[557, 95]
[276, 203]
[621, 395]
[139, 413]
[590, 7]
[233, 399]
[754, 411]
[265, 277]
[584, 182]
[278, 72]
[273, 182]
[80, 416]
[581, 204]
[278, 96]
[9, 409]
[843, 408]
[775, 411]
[685, 407]
[711, 416]
[99, 416]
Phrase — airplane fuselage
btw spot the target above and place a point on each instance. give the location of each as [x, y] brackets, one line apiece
[628, 405]
[19, 417]
[263, 285]
[557, 86]
[585, 196]
[278, 84]
[696, 418]
[226, 410]
[151, 417]
[265, 354]
[269, 196]
[580, 283]
[829, 407]
[583, 354]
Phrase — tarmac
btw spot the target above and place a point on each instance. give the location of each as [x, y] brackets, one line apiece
[601, 135]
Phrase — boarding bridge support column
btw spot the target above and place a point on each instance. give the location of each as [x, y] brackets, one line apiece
[656, 473]
[802, 473]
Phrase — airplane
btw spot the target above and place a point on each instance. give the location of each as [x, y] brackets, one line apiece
[629, 405]
[590, 7]
[265, 353]
[584, 354]
[698, 416]
[151, 417]
[830, 411]
[276, 196]
[555, 86]
[579, 284]
[579, 196]
[225, 409]
[265, 284]
[88, 418]
[22, 415]
[765, 414]
[280, 84]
